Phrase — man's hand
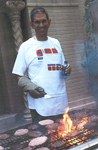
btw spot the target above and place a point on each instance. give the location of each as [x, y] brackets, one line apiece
[37, 93]
[28, 86]
[68, 69]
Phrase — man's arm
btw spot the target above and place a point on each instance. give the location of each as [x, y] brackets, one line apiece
[18, 77]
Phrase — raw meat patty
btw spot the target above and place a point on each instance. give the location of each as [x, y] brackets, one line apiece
[1, 148]
[38, 141]
[20, 132]
[45, 122]
[4, 136]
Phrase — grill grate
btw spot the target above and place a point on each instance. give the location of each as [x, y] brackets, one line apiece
[72, 140]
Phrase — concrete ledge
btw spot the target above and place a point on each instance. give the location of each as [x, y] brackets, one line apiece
[53, 4]
[7, 119]
[10, 121]
[87, 102]
[14, 125]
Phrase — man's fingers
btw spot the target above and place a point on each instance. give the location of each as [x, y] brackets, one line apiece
[37, 94]
[68, 69]
[42, 93]
[34, 94]
[40, 89]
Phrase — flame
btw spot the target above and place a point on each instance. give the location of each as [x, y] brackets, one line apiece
[82, 123]
[69, 132]
[65, 124]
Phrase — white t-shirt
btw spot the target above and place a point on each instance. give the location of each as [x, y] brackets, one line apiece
[43, 59]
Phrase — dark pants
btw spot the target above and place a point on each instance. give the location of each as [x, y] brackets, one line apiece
[36, 117]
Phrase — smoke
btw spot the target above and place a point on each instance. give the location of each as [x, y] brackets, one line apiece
[91, 64]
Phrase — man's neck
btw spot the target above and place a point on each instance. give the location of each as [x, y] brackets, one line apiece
[42, 38]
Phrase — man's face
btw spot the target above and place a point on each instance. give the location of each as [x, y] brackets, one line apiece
[41, 25]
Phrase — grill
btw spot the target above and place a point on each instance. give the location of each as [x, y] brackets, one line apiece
[83, 138]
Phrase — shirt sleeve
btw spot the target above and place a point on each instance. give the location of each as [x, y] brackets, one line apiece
[62, 55]
[20, 65]
[63, 59]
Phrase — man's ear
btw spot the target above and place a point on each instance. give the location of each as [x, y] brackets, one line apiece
[31, 24]
[49, 22]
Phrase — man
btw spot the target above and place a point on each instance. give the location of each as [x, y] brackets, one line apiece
[42, 56]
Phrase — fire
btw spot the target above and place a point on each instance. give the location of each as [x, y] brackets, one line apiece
[82, 123]
[65, 124]
[72, 133]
